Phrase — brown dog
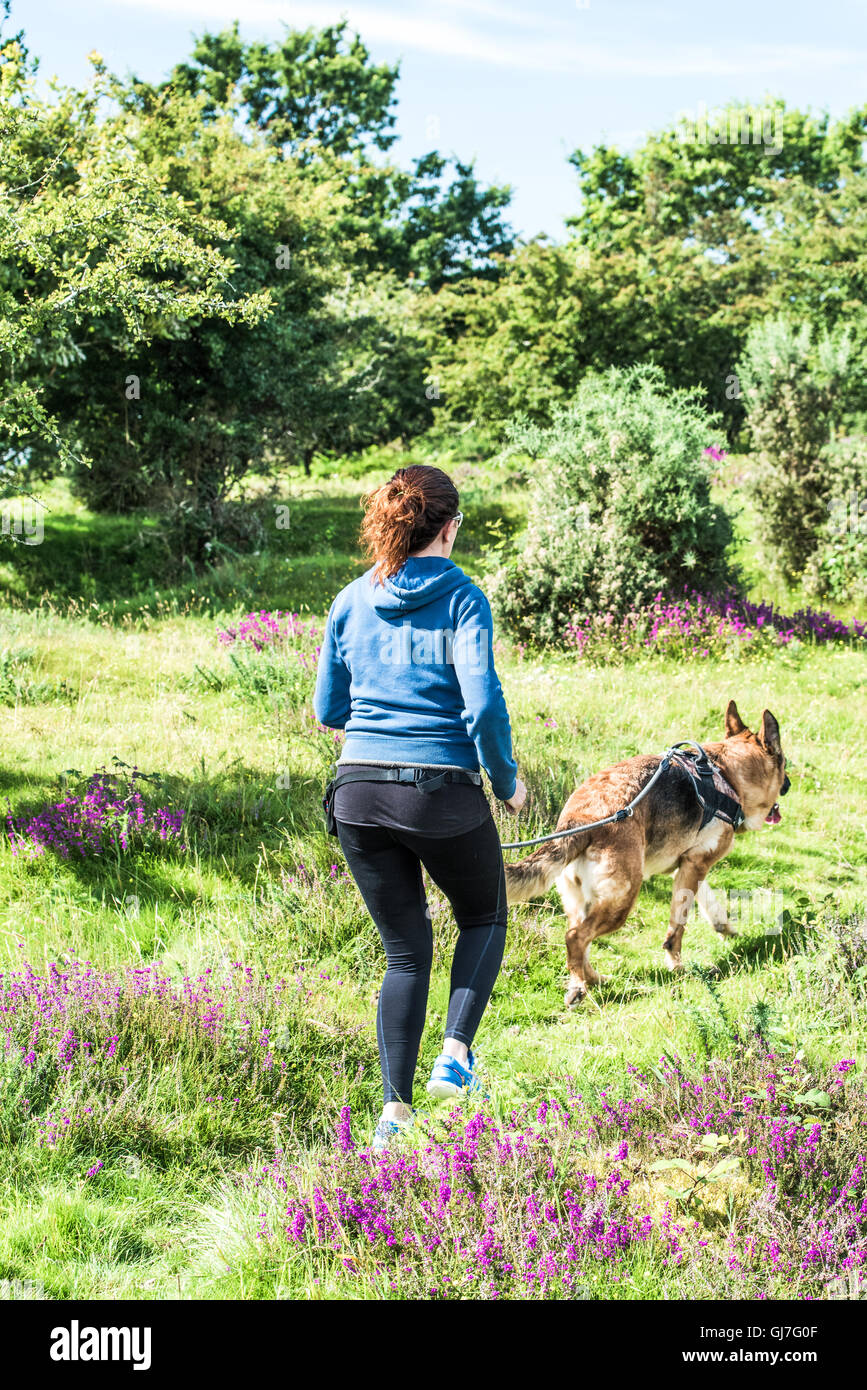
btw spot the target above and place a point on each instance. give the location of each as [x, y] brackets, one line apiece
[599, 874]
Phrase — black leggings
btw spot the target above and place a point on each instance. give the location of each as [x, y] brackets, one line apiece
[386, 865]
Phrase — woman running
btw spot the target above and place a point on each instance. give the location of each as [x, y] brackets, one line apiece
[406, 669]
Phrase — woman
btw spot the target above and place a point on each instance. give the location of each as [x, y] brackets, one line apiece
[406, 669]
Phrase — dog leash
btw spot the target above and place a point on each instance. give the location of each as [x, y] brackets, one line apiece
[704, 768]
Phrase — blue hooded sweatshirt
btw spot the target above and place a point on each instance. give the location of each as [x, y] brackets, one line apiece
[406, 668]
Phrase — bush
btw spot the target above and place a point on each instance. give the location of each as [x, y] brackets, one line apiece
[700, 626]
[795, 389]
[620, 505]
[108, 816]
[837, 569]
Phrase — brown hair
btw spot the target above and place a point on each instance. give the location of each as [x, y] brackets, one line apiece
[405, 515]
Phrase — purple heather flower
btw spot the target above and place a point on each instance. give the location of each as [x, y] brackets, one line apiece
[344, 1131]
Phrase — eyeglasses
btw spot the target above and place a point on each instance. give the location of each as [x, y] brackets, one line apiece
[458, 518]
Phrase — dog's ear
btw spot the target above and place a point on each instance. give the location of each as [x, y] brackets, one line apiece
[769, 733]
[734, 723]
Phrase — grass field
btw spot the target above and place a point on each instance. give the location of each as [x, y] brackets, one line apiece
[168, 1111]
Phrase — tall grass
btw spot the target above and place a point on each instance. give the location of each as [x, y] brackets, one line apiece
[149, 1132]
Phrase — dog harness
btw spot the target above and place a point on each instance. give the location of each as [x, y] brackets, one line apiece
[715, 794]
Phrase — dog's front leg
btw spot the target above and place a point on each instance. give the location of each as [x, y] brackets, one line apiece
[713, 911]
[686, 882]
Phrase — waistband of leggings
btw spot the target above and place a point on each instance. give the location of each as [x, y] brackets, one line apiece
[434, 767]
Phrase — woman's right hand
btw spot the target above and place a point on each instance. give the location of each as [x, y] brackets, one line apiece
[517, 799]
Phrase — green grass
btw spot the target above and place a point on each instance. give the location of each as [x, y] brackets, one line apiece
[110, 666]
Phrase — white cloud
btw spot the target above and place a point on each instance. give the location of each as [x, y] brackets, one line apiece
[623, 139]
[484, 32]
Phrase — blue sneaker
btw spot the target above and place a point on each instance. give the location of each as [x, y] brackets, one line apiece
[449, 1078]
[387, 1131]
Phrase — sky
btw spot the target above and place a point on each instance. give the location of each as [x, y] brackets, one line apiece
[517, 86]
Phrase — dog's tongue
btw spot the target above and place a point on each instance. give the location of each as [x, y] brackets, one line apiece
[773, 817]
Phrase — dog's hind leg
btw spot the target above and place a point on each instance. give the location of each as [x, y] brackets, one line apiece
[577, 941]
[713, 911]
[598, 895]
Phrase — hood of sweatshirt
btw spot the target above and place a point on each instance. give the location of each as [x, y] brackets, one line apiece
[422, 579]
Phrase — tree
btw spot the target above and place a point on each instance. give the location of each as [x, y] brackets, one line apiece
[677, 250]
[213, 401]
[318, 99]
[694, 239]
[209, 400]
[161, 392]
[518, 344]
[680, 184]
[88, 235]
[315, 91]
[796, 391]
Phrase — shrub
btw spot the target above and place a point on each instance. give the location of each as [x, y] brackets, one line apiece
[794, 390]
[837, 568]
[620, 505]
[93, 1058]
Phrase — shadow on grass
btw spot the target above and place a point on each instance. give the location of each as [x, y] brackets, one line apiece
[89, 556]
[123, 562]
[10, 778]
[228, 821]
[743, 953]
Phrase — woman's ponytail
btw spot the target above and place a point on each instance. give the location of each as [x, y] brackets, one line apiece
[405, 515]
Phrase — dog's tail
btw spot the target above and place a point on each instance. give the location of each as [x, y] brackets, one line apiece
[536, 873]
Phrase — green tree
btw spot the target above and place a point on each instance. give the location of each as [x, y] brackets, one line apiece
[178, 414]
[315, 91]
[796, 387]
[679, 184]
[88, 235]
[817, 256]
[678, 249]
[208, 400]
[693, 240]
[317, 97]
[518, 344]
